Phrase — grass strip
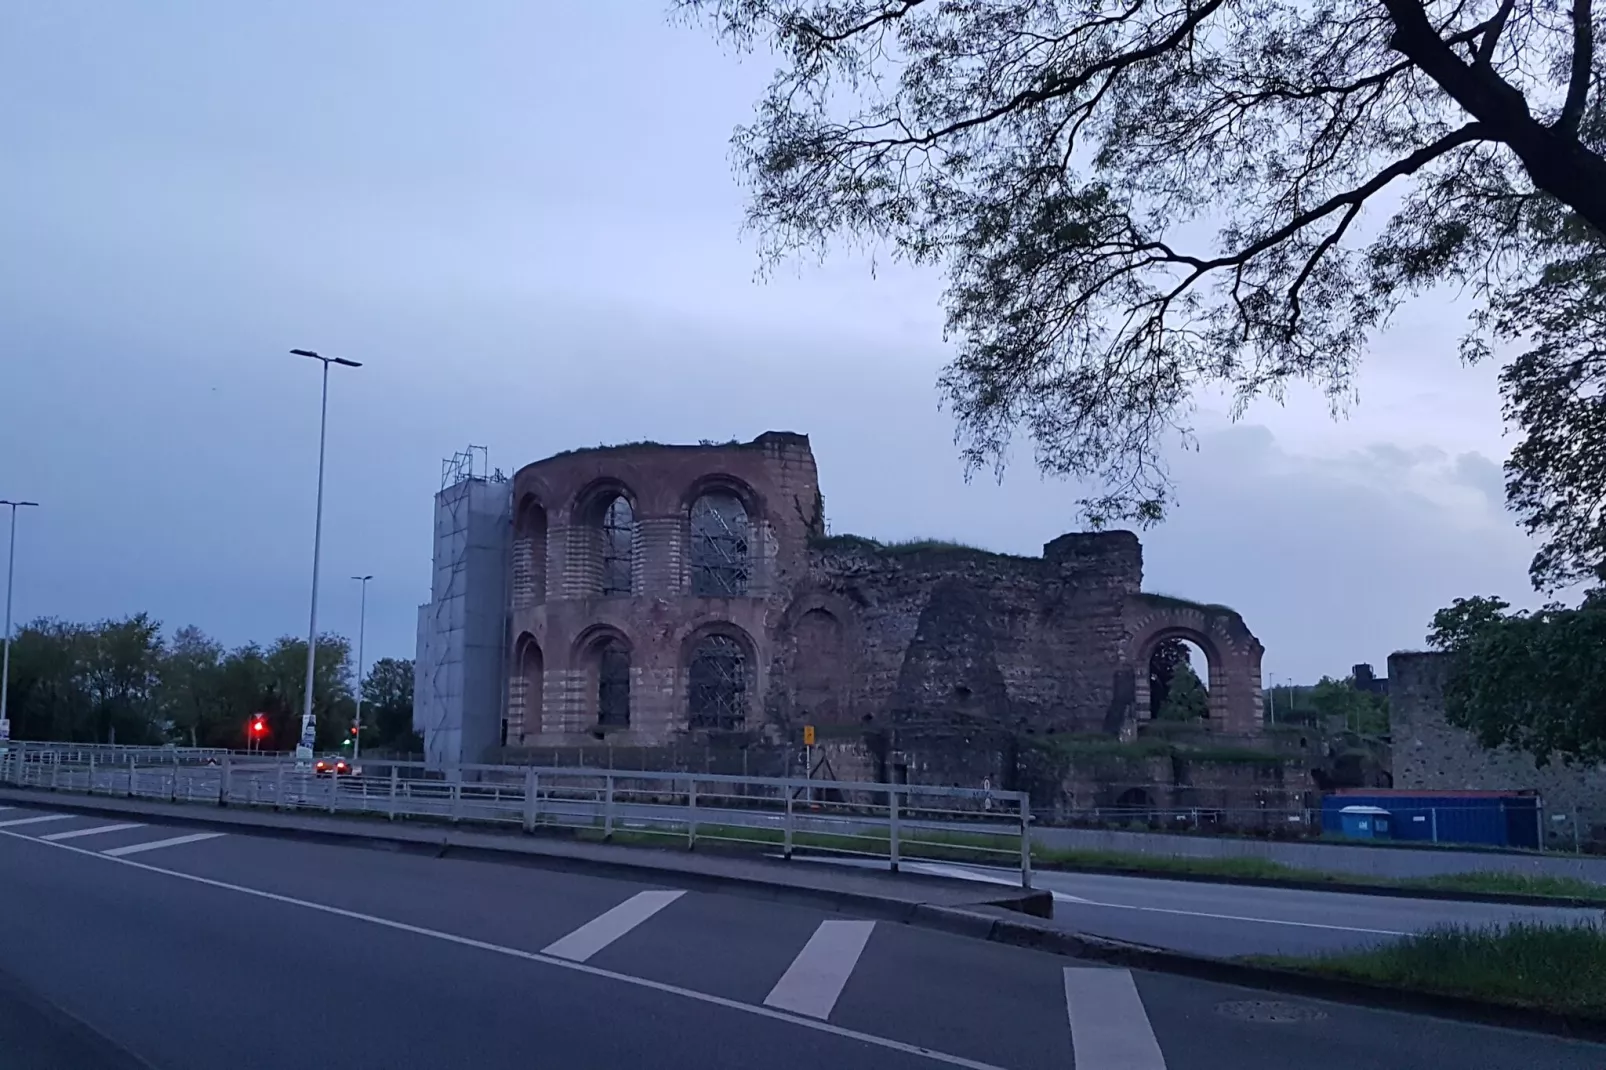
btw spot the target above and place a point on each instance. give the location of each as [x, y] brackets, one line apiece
[1253, 867]
[1560, 969]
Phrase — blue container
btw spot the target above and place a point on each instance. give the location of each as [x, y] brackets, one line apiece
[1364, 822]
[1485, 818]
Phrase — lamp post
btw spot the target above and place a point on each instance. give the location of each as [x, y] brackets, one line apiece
[308, 723]
[5, 659]
[362, 626]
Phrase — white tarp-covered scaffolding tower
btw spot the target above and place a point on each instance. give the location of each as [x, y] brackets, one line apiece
[459, 697]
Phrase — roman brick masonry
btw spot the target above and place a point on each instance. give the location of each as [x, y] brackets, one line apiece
[667, 599]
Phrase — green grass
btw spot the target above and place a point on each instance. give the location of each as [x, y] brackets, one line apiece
[1554, 968]
[900, 547]
[1518, 883]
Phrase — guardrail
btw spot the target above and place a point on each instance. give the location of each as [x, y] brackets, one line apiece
[791, 816]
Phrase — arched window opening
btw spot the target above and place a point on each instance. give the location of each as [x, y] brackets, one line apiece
[618, 546]
[529, 553]
[717, 693]
[817, 669]
[525, 703]
[720, 565]
[1179, 688]
[613, 685]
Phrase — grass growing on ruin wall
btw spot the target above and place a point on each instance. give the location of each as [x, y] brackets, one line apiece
[1185, 603]
[1561, 969]
[904, 547]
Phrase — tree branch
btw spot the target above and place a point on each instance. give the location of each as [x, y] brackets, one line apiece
[1572, 112]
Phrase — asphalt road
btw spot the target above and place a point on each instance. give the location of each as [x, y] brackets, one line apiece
[163, 947]
[1227, 921]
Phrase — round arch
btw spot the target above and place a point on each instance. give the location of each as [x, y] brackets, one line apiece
[720, 663]
[525, 698]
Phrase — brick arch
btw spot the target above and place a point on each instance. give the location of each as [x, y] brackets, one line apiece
[589, 561]
[1232, 655]
[608, 681]
[757, 524]
[701, 668]
[525, 688]
[819, 665]
[529, 551]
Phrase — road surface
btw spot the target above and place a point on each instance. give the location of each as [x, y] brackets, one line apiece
[126, 945]
[1227, 921]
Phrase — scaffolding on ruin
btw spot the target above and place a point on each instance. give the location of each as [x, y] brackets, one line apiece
[440, 677]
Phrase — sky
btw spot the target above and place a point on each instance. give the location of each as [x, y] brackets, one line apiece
[523, 220]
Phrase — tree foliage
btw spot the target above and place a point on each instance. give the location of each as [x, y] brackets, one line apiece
[122, 681]
[1175, 691]
[1340, 701]
[1136, 200]
[1534, 681]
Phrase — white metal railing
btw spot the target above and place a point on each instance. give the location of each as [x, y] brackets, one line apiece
[890, 822]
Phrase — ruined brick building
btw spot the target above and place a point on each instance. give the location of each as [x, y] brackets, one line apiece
[647, 595]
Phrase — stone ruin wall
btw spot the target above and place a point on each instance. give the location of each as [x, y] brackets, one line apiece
[1431, 754]
[939, 664]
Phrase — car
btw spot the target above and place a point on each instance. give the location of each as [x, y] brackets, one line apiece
[332, 767]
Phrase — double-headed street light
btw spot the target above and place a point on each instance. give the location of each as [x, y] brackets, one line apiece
[308, 723]
[362, 625]
[5, 659]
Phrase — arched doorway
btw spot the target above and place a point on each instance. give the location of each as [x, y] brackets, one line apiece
[1179, 688]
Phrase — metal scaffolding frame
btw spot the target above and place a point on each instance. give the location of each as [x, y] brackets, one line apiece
[720, 547]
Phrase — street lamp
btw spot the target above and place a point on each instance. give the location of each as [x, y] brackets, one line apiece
[5, 659]
[362, 625]
[308, 724]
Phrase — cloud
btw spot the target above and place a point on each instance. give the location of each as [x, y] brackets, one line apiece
[530, 268]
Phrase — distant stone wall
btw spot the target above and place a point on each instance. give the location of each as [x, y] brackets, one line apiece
[1431, 754]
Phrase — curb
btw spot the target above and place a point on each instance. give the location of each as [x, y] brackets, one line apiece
[1387, 891]
[1005, 920]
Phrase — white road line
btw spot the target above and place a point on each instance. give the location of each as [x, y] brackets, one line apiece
[1234, 917]
[545, 960]
[32, 820]
[962, 873]
[817, 976]
[610, 925]
[136, 848]
[97, 830]
[1109, 1028]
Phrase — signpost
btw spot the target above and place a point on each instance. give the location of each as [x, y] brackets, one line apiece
[808, 760]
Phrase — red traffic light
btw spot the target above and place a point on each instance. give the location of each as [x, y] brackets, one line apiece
[353, 729]
[258, 725]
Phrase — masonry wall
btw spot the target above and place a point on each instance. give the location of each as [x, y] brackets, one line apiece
[559, 612]
[1431, 754]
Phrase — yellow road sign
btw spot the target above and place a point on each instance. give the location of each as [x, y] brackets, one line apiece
[808, 735]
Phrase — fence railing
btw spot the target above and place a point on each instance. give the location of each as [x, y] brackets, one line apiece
[789, 816]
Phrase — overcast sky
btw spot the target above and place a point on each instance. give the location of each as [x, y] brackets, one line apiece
[526, 225]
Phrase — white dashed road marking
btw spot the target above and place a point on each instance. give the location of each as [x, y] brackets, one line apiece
[14, 822]
[770, 1013]
[136, 848]
[817, 976]
[607, 927]
[97, 830]
[1109, 1028]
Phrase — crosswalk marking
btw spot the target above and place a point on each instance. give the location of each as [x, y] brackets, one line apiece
[1109, 1028]
[817, 976]
[97, 830]
[609, 926]
[136, 848]
[14, 822]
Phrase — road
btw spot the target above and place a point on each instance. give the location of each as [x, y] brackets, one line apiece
[152, 946]
[1227, 921]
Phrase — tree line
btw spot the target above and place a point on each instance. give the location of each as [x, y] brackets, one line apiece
[125, 681]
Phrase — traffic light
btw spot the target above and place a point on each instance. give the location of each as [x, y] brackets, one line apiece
[259, 725]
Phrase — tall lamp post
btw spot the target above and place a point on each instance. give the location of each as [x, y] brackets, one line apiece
[308, 723]
[362, 626]
[5, 659]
